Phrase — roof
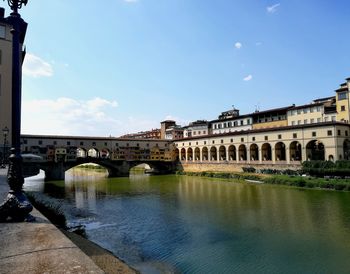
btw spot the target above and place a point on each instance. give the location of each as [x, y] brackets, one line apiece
[272, 110]
[253, 131]
[231, 118]
[308, 105]
[324, 99]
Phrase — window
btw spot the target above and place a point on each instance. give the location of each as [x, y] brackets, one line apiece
[242, 123]
[346, 133]
[189, 143]
[299, 122]
[213, 142]
[136, 144]
[82, 143]
[342, 108]
[295, 135]
[339, 133]
[326, 119]
[342, 95]
[205, 142]
[2, 31]
[231, 140]
[311, 109]
[314, 134]
[329, 133]
[305, 110]
[25, 142]
[93, 143]
[318, 109]
[222, 141]
[248, 121]
[333, 118]
[105, 144]
[40, 142]
[312, 120]
[293, 123]
[318, 120]
[197, 143]
[305, 121]
[266, 138]
[68, 143]
[279, 136]
[116, 144]
[253, 138]
[242, 139]
[299, 111]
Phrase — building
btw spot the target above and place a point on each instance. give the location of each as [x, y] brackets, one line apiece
[164, 126]
[174, 133]
[150, 134]
[283, 136]
[6, 72]
[196, 128]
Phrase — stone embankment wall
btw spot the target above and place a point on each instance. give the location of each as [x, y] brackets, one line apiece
[231, 167]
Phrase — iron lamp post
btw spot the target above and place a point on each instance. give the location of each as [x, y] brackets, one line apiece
[5, 132]
[16, 206]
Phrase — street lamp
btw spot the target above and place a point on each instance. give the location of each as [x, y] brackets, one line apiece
[16, 206]
[5, 132]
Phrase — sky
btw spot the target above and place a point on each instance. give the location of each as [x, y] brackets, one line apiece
[107, 68]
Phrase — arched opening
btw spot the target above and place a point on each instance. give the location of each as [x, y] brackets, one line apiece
[93, 153]
[81, 153]
[331, 158]
[177, 154]
[189, 154]
[197, 154]
[280, 151]
[242, 151]
[346, 149]
[315, 151]
[205, 153]
[266, 152]
[213, 154]
[222, 153]
[232, 153]
[140, 169]
[183, 154]
[254, 152]
[105, 153]
[295, 151]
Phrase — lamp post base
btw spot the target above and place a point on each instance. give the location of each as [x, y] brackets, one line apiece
[16, 208]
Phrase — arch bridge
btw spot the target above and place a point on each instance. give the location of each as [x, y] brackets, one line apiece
[118, 156]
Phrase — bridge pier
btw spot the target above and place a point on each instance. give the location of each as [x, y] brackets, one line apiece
[55, 172]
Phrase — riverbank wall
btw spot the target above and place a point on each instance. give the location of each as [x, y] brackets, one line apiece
[231, 167]
[40, 247]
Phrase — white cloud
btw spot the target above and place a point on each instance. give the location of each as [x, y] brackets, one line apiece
[67, 116]
[238, 45]
[34, 66]
[273, 8]
[248, 78]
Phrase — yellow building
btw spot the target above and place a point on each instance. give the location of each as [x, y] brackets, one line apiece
[6, 72]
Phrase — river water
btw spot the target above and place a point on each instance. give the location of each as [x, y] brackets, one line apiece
[181, 224]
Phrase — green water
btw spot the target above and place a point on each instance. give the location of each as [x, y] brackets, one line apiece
[164, 224]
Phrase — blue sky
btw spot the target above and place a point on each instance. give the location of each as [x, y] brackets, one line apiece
[124, 67]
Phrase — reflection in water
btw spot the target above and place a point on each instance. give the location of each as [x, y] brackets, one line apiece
[202, 225]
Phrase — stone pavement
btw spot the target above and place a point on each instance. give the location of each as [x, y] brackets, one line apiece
[38, 247]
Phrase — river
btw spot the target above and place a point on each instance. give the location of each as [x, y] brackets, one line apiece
[181, 224]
